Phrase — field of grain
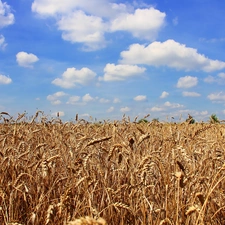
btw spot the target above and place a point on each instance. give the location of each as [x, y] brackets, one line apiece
[116, 173]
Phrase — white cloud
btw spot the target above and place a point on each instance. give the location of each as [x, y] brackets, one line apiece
[87, 21]
[203, 113]
[143, 23]
[221, 75]
[56, 95]
[220, 79]
[73, 100]
[103, 100]
[125, 109]
[116, 100]
[164, 94]
[25, 59]
[220, 96]
[71, 77]
[173, 105]
[140, 98]
[209, 79]
[3, 44]
[156, 109]
[190, 94]
[110, 109]
[82, 28]
[81, 21]
[56, 102]
[121, 72]
[187, 82]
[54, 98]
[171, 54]
[4, 79]
[6, 17]
[87, 98]
[101, 8]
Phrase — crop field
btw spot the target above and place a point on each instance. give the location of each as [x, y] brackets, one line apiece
[115, 173]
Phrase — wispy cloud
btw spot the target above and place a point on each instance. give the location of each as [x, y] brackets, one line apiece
[190, 94]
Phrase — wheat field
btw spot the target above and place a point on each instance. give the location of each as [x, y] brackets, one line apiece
[113, 173]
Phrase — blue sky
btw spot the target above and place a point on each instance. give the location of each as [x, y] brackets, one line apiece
[105, 58]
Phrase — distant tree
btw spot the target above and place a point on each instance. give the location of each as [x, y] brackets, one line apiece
[142, 121]
[214, 119]
[190, 119]
[155, 120]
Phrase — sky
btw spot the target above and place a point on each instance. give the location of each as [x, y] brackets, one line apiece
[103, 59]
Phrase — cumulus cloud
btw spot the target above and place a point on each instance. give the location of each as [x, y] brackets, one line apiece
[87, 98]
[110, 109]
[82, 28]
[73, 77]
[6, 17]
[169, 53]
[121, 72]
[25, 59]
[125, 109]
[219, 96]
[190, 94]
[164, 94]
[140, 98]
[187, 82]
[4, 79]
[143, 23]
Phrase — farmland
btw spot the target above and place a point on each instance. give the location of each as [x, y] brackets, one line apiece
[124, 172]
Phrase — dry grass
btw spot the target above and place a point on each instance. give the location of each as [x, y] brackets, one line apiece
[127, 173]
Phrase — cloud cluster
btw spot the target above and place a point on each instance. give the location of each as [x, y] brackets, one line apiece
[171, 54]
[25, 59]
[54, 98]
[87, 22]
